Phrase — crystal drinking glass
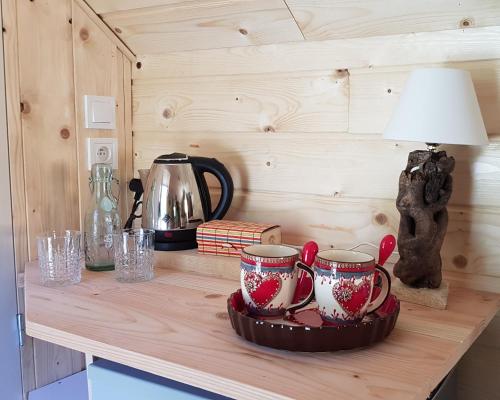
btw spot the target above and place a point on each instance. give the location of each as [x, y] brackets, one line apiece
[134, 249]
[59, 258]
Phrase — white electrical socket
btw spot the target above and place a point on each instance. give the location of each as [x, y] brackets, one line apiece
[102, 150]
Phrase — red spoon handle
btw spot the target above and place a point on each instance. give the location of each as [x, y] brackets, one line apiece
[387, 245]
[305, 283]
[309, 252]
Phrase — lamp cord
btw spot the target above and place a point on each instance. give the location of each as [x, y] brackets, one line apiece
[394, 253]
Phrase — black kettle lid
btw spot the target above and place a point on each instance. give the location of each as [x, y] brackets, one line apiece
[172, 158]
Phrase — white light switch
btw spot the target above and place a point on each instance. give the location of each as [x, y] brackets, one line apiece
[102, 112]
[99, 112]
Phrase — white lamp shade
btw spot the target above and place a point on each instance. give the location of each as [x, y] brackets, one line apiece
[438, 105]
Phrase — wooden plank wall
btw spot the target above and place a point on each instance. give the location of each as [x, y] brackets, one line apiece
[299, 127]
[55, 52]
[304, 144]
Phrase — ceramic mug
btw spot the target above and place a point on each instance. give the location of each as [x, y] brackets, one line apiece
[269, 279]
[348, 285]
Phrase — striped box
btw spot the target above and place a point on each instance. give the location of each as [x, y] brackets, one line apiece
[227, 238]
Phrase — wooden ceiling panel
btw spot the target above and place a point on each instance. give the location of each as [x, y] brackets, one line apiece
[207, 24]
[163, 26]
[107, 6]
[340, 19]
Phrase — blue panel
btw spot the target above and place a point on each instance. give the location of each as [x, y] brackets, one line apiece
[10, 360]
[112, 381]
[73, 387]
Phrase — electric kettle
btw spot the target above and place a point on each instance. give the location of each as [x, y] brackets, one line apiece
[176, 198]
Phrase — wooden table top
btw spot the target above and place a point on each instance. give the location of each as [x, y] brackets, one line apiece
[177, 326]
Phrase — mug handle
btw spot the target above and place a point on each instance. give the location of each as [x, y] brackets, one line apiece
[304, 282]
[383, 283]
[310, 296]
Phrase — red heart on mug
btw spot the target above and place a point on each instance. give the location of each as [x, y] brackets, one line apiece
[351, 296]
[262, 290]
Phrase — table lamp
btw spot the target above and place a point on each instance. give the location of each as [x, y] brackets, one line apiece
[437, 106]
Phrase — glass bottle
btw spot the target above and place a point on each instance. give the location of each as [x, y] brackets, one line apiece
[101, 221]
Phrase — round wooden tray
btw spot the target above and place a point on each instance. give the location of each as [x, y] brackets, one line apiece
[305, 331]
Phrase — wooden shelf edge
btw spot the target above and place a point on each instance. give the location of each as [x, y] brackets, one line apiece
[179, 373]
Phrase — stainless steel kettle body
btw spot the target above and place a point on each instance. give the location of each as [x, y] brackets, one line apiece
[176, 198]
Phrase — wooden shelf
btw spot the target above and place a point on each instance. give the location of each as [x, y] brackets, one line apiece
[177, 326]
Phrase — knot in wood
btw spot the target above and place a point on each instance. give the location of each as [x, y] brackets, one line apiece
[341, 73]
[466, 23]
[222, 315]
[243, 31]
[213, 296]
[269, 128]
[25, 107]
[64, 133]
[167, 113]
[460, 261]
[84, 34]
[381, 219]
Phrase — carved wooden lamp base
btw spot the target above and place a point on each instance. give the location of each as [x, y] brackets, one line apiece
[424, 190]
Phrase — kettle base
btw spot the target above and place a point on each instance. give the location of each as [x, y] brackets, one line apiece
[175, 240]
[175, 246]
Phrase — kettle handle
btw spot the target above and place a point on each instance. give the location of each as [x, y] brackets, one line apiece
[216, 168]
